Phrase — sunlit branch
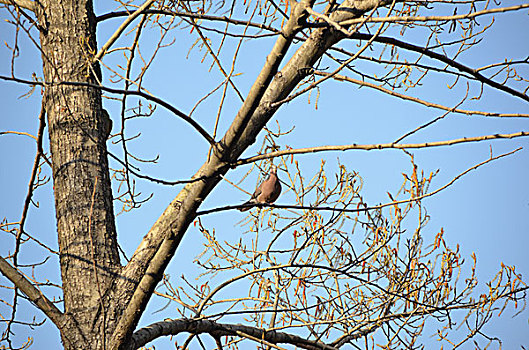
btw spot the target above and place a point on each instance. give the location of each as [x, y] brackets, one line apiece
[33, 294]
[505, 63]
[270, 68]
[356, 210]
[26, 4]
[192, 15]
[418, 100]
[21, 133]
[215, 58]
[27, 202]
[196, 326]
[361, 273]
[173, 327]
[338, 271]
[344, 64]
[121, 29]
[397, 19]
[29, 195]
[421, 312]
[334, 24]
[380, 146]
[130, 60]
[43, 245]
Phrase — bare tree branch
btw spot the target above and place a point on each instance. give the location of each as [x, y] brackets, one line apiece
[440, 57]
[197, 326]
[26, 4]
[159, 245]
[146, 96]
[121, 29]
[312, 270]
[380, 146]
[225, 19]
[418, 100]
[398, 19]
[33, 294]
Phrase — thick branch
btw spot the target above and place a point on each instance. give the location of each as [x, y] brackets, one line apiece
[159, 245]
[262, 83]
[25, 4]
[33, 294]
[194, 326]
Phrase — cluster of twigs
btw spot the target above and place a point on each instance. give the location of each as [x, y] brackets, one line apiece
[335, 277]
[330, 267]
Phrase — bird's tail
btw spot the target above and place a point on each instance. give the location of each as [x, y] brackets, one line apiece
[246, 206]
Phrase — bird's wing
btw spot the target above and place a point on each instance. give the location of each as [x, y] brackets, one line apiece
[258, 190]
[270, 190]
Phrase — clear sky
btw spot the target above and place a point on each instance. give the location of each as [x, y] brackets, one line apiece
[486, 212]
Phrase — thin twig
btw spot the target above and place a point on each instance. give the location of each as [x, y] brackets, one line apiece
[157, 100]
[417, 100]
[380, 146]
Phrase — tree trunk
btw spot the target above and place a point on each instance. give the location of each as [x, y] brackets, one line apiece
[83, 197]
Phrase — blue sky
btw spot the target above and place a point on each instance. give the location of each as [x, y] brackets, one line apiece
[486, 212]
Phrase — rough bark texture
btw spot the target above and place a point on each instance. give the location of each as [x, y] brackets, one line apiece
[217, 330]
[83, 196]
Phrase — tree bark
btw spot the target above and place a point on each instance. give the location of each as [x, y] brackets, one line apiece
[83, 196]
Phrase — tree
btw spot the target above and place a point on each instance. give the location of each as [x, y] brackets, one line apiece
[333, 269]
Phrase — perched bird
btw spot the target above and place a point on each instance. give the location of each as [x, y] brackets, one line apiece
[267, 192]
[107, 123]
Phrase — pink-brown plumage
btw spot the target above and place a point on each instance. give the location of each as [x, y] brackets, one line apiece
[267, 191]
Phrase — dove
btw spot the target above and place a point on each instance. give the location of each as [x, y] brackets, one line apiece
[266, 192]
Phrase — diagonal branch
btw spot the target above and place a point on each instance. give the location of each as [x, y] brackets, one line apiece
[146, 267]
[199, 16]
[355, 210]
[159, 245]
[398, 19]
[440, 57]
[33, 294]
[361, 83]
[121, 29]
[25, 4]
[213, 55]
[261, 84]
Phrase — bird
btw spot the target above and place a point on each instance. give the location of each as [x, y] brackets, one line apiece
[107, 123]
[266, 192]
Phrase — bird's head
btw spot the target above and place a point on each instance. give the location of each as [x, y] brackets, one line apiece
[273, 169]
